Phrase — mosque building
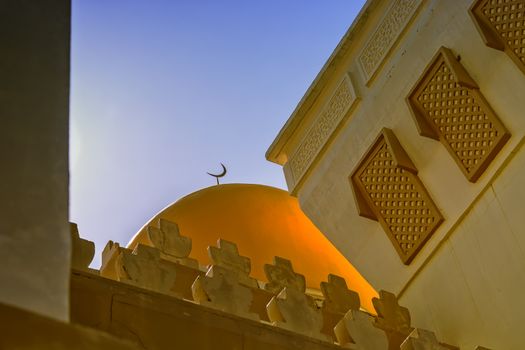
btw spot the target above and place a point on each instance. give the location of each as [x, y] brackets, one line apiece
[402, 227]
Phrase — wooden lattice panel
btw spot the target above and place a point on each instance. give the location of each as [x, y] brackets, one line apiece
[387, 189]
[501, 23]
[448, 106]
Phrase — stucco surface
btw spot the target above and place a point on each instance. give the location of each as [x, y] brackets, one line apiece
[34, 108]
[466, 281]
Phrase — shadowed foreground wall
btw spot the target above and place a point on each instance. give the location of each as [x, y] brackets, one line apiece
[34, 109]
[155, 321]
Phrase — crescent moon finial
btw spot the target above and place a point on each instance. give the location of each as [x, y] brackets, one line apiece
[217, 176]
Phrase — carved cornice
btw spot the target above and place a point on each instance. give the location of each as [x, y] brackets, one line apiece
[386, 36]
[322, 129]
[398, 15]
[277, 152]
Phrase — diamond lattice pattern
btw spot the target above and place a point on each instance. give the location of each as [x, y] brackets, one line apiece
[399, 200]
[508, 19]
[459, 118]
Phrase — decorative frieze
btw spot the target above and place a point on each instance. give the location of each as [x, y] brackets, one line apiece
[501, 24]
[322, 128]
[448, 106]
[386, 35]
[387, 189]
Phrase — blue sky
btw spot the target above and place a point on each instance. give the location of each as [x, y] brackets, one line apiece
[162, 91]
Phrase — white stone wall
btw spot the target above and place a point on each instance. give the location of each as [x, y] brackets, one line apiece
[471, 291]
[467, 280]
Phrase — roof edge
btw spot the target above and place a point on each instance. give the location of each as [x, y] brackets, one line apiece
[273, 154]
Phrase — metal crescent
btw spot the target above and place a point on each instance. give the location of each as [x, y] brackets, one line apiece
[224, 171]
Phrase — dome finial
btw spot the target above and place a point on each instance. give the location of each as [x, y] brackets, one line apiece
[217, 176]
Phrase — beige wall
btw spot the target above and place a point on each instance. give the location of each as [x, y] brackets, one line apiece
[471, 291]
[34, 94]
[467, 280]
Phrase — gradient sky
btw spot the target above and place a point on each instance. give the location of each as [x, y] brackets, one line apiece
[162, 91]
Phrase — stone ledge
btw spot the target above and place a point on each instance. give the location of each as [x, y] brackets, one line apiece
[25, 330]
[159, 321]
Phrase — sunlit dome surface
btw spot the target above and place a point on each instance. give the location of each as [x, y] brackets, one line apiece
[264, 222]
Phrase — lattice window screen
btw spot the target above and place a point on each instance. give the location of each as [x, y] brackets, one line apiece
[448, 106]
[387, 189]
[501, 23]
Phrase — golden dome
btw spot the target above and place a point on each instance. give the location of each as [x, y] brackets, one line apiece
[264, 222]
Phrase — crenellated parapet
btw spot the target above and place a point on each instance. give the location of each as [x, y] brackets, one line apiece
[333, 316]
[291, 308]
[227, 285]
[338, 300]
[171, 244]
[82, 250]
